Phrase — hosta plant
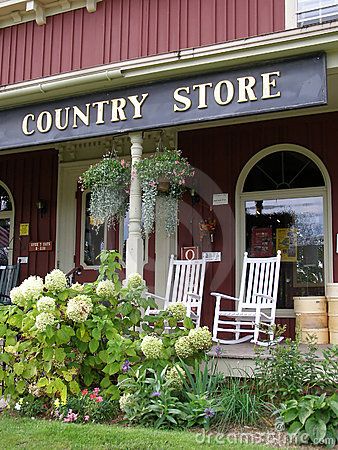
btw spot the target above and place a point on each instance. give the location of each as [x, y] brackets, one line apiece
[108, 182]
[312, 419]
[170, 167]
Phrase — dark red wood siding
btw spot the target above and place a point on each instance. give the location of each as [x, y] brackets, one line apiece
[32, 176]
[220, 154]
[124, 29]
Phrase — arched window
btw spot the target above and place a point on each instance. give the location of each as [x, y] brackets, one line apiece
[283, 206]
[6, 226]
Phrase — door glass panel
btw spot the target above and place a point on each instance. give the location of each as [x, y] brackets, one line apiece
[93, 238]
[4, 240]
[294, 226]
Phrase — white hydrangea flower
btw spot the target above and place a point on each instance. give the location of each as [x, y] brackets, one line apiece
[183, 347]
[77, 287]
[200, 338]
[152, 347]
[178, 310]
[55, 281]
[174, 376]
[125, 401]
[44, 319]
[135, 281]
[45, 304]
[79, 308]
[17, 296]
[105, 288]
[32, 288]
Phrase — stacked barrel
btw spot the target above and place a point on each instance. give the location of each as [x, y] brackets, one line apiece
[332, 299]
[311, 318]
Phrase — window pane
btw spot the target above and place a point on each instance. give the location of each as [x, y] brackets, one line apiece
[93, 238]
[5, 201]
[294, 226]
[4, 241]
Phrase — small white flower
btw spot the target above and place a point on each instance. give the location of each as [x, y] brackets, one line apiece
[44, 319]
[79, 308]
[105, 288]
[17, 406]
[32, 288]
[45, 304]
[17, 296]
[77, 287]
[55, 281]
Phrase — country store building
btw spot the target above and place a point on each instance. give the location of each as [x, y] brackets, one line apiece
[247, 89]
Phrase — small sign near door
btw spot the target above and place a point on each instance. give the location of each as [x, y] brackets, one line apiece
[190, 253]
[40, 246]
[220, 199]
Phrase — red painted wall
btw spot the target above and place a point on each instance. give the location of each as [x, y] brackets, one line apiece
[32, 176]
[125, 29]
[220, 154]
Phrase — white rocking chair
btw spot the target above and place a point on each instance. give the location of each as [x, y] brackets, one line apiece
[185, 284]
[257, 301]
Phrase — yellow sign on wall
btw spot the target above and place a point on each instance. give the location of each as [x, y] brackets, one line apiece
[286, 242]
[24, 229]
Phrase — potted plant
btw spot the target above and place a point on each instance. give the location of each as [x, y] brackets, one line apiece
[163, 177]
[109, 182]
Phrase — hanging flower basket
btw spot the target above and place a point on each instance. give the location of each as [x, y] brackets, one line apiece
[109, 182]
[163, 177]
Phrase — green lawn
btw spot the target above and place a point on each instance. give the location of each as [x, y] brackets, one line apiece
[40, 434]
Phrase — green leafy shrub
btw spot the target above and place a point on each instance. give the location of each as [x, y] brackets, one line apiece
[285, 372]
[312, 419]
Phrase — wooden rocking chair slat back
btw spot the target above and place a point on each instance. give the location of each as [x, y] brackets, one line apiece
[184, 277]
[260, 275]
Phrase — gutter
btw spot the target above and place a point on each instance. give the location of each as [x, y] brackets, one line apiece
[185, 62]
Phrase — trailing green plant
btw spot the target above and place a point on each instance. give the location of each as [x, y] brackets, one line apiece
[108, 182]
[285, 372]
[168, 165]
[312, 418]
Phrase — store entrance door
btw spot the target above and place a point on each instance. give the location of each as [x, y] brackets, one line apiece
[283, 206]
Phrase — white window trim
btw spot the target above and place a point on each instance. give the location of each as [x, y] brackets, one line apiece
[303, 192]
[290, 11]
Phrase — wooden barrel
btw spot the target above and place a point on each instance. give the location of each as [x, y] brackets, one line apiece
[332, 300]
[321, 335]
[311, 318]
[334, 337]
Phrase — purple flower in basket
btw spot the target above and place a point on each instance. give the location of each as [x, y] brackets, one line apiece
[126, 366]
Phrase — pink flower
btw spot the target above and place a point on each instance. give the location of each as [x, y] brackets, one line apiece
[86, 418]
[96, 390]
[84, 392]
[99, 399]
[123, 163]
[71, 417]
[92, 396]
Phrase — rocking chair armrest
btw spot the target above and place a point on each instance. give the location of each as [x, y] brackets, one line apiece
[194, 296]
[265, 296]
[228, 297]
[150, 294]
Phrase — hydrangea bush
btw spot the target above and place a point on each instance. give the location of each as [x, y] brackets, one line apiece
[60, 340]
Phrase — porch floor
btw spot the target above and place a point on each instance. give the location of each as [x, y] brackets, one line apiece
[239, 359]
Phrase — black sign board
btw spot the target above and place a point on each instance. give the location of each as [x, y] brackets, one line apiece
[273, 86]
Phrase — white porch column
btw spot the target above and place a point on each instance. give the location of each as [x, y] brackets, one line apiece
[134, 257]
